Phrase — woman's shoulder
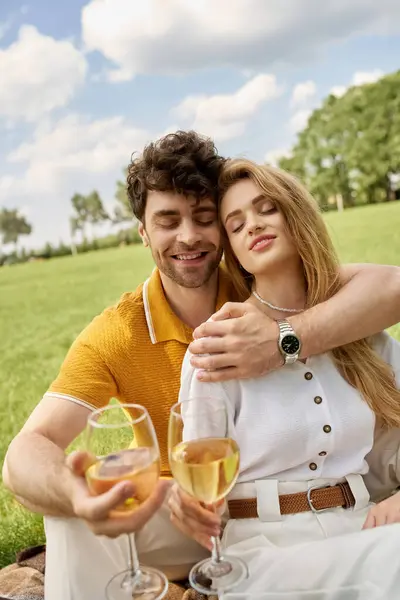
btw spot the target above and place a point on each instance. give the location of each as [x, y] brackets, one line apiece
[387, 347]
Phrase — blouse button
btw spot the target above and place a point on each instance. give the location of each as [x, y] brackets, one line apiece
[313, 466]
[327, 428]
[317, 399]
[323, 453]
[308, 375]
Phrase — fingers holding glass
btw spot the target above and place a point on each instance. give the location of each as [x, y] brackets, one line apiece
[123, 446]
[204, 461]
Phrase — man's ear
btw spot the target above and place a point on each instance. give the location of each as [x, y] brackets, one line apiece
[143, 235]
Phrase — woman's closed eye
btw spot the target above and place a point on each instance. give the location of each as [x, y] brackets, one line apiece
[237, 226]
[265, 209]
[268, 209]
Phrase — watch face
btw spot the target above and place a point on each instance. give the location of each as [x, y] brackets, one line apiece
[290, 344]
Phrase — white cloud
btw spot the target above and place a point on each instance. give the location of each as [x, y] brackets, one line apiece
[338, 90]
[359, 78]
[272, 157]
[224, 116]
[362, 77]
[178, 36]
[38, 74]
[75, 145]
[6, 185]
[299, 119]
[303, 93]
[72, 154]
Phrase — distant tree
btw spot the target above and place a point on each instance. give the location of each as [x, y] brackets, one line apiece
[74, 226]
[88, 210]
[350, 148]
[123, 210]
[12, 226]
[96, 212]
[79, 220]
[47, 251]
[62, 249]
[23, 255]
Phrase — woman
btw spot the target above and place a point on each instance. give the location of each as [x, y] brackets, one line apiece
[304, 431]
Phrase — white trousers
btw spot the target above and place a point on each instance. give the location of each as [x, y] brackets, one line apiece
[80, 564]
[313, 556]
[308, 556]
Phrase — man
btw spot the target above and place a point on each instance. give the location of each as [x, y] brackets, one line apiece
[133, 352]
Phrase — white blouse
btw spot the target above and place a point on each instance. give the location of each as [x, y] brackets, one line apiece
[301, 422]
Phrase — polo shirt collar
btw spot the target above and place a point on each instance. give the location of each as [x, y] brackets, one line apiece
[163, 324]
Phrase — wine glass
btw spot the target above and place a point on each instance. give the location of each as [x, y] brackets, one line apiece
[204, 461]
[123, 445]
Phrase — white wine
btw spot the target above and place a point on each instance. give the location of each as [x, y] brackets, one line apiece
[206, 468]
[140, 465]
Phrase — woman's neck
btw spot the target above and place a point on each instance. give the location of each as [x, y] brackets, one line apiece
[284, 288]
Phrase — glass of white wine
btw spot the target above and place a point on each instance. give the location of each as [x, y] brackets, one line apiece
[123, 445]
[204, 461]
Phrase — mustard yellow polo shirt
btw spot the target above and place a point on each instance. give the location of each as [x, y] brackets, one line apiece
[133, 352]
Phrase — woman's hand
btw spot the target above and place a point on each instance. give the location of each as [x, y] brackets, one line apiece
[384, 513]
[193, 518]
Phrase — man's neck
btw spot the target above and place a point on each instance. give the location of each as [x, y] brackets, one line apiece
[192, 305]
[284, 288]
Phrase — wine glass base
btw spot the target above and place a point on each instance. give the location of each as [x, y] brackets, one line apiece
[149, 584]
[209, 577]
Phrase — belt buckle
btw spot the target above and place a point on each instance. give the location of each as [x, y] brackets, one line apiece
[309, 499]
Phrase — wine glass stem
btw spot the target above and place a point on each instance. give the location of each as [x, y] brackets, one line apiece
[216, 553]
[133, 557]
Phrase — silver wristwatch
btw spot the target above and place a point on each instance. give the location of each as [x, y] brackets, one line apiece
[288, 343]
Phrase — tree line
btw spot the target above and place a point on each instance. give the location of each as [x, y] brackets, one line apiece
[348, 154]
[88, 214]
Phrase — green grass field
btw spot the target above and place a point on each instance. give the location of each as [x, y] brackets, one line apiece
[43, 306]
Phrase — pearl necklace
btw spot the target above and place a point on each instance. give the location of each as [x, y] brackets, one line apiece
[288, 310]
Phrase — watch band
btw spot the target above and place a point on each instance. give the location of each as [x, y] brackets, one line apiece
[286, 329]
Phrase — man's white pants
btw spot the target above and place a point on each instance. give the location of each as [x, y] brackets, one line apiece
[80, 564]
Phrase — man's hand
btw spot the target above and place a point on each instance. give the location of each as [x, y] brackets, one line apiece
[241, 341]
[194, 519]
[95, 509]
[384, 513]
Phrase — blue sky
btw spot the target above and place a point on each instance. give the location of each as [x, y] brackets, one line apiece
[85, 85]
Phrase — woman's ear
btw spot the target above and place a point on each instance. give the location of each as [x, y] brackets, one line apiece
[143, 235]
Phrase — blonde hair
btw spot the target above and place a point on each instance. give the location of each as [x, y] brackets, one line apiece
[358, 363]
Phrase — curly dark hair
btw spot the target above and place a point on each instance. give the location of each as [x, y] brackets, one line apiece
[183, 162]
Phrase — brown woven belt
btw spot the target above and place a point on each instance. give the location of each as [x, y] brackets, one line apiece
[315, 499]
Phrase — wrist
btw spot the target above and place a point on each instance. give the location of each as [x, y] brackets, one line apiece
[70, 481]
[300, 325]
[272, 357]
[289, 343]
